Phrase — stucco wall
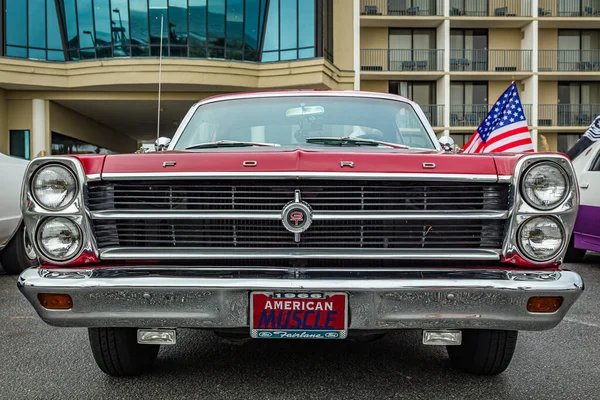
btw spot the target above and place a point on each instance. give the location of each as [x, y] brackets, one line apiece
[374, 38]
[343, 34]
[75, 125]
[3, 123]
[505, 39]
[548, 39]
[374, 86]
[496, 88]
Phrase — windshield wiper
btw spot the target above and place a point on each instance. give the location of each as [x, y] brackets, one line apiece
[350, 140]
[228, 143]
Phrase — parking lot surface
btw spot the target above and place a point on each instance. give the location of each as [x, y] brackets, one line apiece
[41, 362]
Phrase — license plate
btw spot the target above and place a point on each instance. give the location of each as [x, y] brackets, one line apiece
[298, 315]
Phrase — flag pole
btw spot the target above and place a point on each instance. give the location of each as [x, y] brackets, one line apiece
[160, 74]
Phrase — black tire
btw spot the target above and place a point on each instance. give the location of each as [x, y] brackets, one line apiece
[574, 255]
[118, 353]
[14, 258]
[484, 352]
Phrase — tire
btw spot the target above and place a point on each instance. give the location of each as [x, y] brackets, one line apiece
[18, 255]
[484, 352]
[118, 353]
[574, 255]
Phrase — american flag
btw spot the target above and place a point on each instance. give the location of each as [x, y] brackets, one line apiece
[504, 128]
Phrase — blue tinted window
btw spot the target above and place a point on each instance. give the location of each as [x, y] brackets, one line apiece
[16, 23]
[139, 27]
[55, 55]
[251, 29]
[158, 9]
[197, 28]
[37, 24]
[86, 28]
[272, 31]
[103, 22]
[216, 29]
[235, 29]
[178, 29]
[288, 31]
[70, 14]
[16, 51]
[120, 27]
[306, 24]
[53, 31]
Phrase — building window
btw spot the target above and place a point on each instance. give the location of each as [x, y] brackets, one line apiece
[566, 141]
[411, 49]
[578, 103]
[422, 93]
[62, 144]
[469, 49]
[19, 144]
[469, 103]
[578, 50]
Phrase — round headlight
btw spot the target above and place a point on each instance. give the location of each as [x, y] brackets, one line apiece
[545, 185]
[54, 187]
[59, 238]
[541, 238]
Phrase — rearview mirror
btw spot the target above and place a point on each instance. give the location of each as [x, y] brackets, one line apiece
[304, 111]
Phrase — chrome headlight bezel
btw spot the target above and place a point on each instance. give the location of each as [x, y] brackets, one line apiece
[36, 198]
[531, 201]
[45, 252]
[532, 257]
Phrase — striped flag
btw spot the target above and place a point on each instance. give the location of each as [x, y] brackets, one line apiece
[589, 137]
[504, 129]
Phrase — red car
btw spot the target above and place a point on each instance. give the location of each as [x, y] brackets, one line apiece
[302, 214]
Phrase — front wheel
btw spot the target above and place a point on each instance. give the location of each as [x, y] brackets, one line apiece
[118, 353]
[484, 352]
[18, 255]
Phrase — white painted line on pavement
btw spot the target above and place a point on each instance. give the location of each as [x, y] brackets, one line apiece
[576, 321]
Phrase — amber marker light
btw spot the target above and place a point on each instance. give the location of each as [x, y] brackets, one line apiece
[544, 304]
[55, 301]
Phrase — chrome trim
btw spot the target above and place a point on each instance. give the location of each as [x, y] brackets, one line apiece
[505, 178]
[93, 177]
[428, 165]
[308, 175]
[316, 215]
[565, 212]
[226, 253]
[170, 296]
[250, 163]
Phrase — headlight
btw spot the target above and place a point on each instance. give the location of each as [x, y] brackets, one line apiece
[545, 185]
[59, 238]
[54, 187]
[541, 238]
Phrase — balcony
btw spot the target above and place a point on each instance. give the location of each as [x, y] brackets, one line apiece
[434, 113]
[490, 8]
[569, 8]
[391, 60]
[573, 115]
[490, 60]
[471, 115]
[569, 60]
[401, 7]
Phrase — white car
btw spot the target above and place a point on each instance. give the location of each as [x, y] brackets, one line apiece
[586, 235]
[16, 252]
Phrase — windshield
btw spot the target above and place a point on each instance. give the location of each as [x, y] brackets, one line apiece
[288, 121]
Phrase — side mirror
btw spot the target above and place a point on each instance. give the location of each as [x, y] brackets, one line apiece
[447, 143]
[162, 143]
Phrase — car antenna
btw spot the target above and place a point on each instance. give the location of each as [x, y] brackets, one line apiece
[160, 55]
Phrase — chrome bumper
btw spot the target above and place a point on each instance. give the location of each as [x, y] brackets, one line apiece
[210, 298]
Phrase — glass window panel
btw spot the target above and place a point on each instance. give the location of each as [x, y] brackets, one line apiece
[424, 39]
[457, 39]
[568, 40]
[37, 23]
[70, 16]
[251, 27]
[289, 55]
[37, 54]
[270, 56]
[216, 26]
[16, 23]
[235, 24]
[158, 9]
[16, 51]
[53, 31]
[86, 24]
[54, 55]
[138, 10]
[400, 39]
[19, 144]
[288, 13]
[306, 24]
[457, 93]
[307, 53]
[87, 54]
[272, 31]
[178, 29]
[74, 55]
[103, 22]
[197, 28]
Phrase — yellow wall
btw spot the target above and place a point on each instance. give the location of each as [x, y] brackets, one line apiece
[496, 88]
[548, 92]
[374, 38]
[548, 39]
[3, 123]
[75, 125]
[505, 39]
[374, 86]
[343, 34]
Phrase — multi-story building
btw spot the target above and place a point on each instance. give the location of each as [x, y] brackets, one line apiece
[83, 75]
[455, 57]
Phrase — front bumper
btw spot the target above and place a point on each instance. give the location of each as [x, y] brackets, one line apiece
[378, 299]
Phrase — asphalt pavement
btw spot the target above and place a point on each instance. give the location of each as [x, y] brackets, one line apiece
[38, 361]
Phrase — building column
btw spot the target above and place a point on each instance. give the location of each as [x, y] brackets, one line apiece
[443, 84]
[39, 118]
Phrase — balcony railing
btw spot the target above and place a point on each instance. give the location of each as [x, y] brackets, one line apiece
[401, 7]
[490, 8]
[569, 8]
[472, 114]
[490, 60]
[569, 60]
[434, 113]
[401, 60]
[567, 114]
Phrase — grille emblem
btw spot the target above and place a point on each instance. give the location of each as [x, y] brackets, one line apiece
[296, 216]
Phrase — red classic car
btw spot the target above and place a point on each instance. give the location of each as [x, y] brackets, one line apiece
[302, 214]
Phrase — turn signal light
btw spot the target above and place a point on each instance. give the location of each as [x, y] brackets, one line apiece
[544, 304]
[55, 301]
